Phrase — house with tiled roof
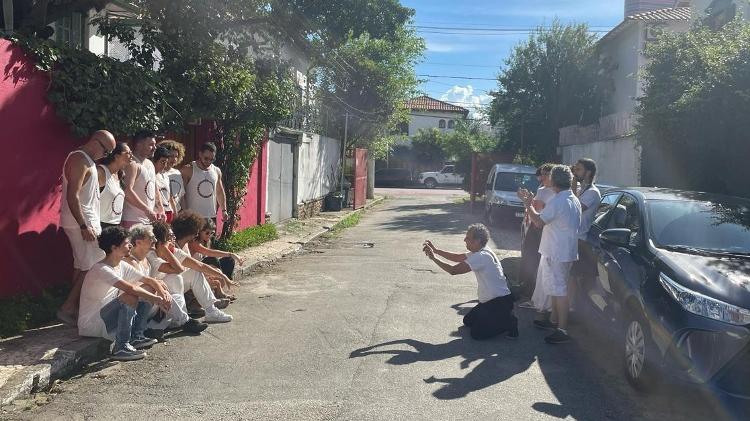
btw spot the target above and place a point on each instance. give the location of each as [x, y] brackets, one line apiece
[426, 112]
[612, 141]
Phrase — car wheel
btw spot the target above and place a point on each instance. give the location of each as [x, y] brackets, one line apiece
[638, 359]
[430, 183]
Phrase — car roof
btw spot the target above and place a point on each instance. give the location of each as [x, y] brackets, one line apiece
[525, 169]
[659, 193]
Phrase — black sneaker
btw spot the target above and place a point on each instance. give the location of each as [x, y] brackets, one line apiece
[196, 313]
[128, 355]
[157, 334]
[545, 324]
[512, 334]
[194, 326]
[558, 337]
[141, 343]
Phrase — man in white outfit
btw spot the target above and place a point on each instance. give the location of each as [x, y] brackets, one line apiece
[589, 195]
[79, 214]
[141, 205]
[204, 190]
[561, 219]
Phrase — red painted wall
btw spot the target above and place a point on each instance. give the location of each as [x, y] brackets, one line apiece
[34, 253]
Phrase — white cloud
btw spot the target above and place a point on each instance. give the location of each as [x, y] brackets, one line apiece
[439, 47]
[467, 97]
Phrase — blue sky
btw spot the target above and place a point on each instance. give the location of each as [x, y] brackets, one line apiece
[480, 53]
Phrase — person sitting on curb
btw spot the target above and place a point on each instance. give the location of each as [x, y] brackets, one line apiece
[200, 249]
[494, 313]
[143, 258]
[186, 226]
[116, 299]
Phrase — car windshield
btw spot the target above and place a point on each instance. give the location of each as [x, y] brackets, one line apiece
[705, 226]
[512, 181]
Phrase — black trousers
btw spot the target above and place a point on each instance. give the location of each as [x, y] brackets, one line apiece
[530, 259]
[226, 264]
[492, 318]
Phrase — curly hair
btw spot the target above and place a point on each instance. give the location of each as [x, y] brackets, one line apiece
[186, 224]
[480, 233]
[112, 237]
[161, 231]
[174, 145]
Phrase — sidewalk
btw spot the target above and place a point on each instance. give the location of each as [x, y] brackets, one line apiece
[31, 362]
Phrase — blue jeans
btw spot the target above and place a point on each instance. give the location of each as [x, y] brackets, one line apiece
[125, 322]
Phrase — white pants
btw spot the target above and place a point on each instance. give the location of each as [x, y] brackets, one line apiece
[176, 316]
[196, 281]
[553, 277]
[539, 298]
[85, 253]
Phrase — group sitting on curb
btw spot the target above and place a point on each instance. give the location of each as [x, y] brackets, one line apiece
[141, 238]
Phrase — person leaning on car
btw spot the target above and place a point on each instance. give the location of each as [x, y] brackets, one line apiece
[589, 196]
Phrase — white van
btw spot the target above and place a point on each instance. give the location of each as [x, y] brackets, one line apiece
[501, 198]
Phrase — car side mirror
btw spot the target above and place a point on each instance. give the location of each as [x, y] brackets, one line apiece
[618, 237]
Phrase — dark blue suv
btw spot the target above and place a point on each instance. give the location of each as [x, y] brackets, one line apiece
[674, 284]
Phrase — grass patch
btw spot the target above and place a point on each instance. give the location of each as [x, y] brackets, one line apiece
[349, 221]
[294, 226]
[250, 237]
[26, 311]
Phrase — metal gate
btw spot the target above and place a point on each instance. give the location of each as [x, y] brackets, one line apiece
[281, 177]
[360, 178]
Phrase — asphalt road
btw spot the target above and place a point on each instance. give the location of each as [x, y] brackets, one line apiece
[364, 327]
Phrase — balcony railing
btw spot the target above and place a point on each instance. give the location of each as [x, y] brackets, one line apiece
[609, 127]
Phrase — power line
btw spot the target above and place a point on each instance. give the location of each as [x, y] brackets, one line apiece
[458, 77]
[460, 65]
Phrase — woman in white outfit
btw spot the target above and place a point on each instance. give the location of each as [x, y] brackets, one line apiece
[176, 183]
[112, 196]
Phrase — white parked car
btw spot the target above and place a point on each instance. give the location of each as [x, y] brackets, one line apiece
[446, 176]
[501, 192]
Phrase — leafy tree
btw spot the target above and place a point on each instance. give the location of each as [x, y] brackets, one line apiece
[457, 145]
[550, 81]
[693, 121]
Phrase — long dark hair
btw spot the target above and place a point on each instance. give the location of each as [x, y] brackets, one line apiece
[110, 158]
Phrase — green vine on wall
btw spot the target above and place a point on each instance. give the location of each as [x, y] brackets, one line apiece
[92, 93]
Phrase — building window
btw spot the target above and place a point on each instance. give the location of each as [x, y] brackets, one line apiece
[451, 124]
[71, 30]
[441, 124]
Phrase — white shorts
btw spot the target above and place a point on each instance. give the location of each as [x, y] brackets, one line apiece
[554, 276]
[85, 253]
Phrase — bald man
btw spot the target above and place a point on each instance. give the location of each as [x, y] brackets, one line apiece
[79, 214]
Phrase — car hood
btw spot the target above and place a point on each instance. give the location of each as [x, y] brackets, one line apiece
[724, 278]
[428, 173]
[510, 197]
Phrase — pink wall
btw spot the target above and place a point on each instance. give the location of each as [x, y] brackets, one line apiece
[34, 253]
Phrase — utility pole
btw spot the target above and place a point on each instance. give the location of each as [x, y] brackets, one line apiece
[343, 149]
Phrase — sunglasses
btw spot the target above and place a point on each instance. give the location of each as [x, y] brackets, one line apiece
[104, 148]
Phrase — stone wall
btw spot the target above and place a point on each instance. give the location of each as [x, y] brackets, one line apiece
[310, 208]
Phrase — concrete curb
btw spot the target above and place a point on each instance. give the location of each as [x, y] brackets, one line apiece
[56, 364]
[59, 362]
[295, 248]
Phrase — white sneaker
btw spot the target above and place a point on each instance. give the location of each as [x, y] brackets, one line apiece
[214, 315]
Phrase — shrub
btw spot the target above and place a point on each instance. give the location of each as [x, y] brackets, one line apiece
[26, 311]
[249, 237]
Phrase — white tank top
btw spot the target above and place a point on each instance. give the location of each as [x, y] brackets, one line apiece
[200, 193]
[145, 189]
[112, 198]
[162, 184]
[176, 186]
[88, 198]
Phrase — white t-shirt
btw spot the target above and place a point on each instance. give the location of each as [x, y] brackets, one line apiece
[98, 289]
[491, 282]
[589, 198]
[544, 194]
[155, 263]
[562, 219]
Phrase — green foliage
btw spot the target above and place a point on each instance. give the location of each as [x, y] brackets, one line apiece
[457, 145]
[26, 311]
[348, 221]
[92, 92]
[550, 81]
[250, 237]
[695, 109]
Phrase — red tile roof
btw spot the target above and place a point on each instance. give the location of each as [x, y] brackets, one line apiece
[670, 13]
[425, 103]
